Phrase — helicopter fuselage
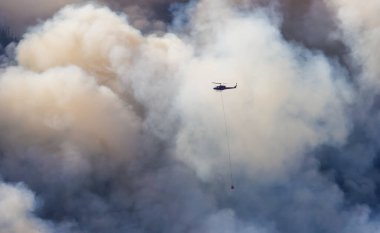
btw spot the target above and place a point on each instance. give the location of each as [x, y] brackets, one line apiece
[223, 87]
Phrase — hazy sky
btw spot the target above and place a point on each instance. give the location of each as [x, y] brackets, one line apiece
[109, 122]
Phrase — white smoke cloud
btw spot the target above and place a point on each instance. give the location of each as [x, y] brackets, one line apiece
[61, 119]
[283, 105]
[88, 37]
[118, 131]
[359, 24]
[17, 205]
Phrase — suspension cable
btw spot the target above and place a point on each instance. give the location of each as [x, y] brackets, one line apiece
[228, 141]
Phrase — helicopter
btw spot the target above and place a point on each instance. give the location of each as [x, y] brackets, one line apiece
[222, 87]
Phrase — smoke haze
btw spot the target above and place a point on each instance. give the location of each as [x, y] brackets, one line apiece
[109, 122]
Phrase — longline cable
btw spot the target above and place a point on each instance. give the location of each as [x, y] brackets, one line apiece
[228, 141]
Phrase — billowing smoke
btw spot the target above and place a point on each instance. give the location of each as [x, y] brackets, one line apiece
[109, 126]
[143, 14]
[16, 206]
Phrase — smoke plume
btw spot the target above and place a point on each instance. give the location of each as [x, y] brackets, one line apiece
[109, 122]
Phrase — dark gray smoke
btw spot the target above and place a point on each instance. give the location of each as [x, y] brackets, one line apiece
[109, 122]
[143, 14]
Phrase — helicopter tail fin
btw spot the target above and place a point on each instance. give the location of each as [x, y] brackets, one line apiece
[235, 85]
